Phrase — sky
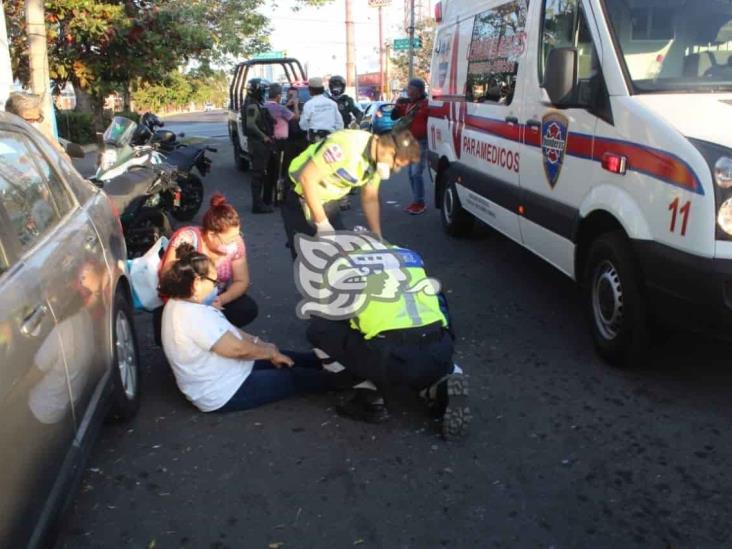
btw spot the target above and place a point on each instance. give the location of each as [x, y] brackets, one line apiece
[317, 36]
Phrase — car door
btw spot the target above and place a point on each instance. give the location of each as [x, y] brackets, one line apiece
[556, 155]
[37, 427]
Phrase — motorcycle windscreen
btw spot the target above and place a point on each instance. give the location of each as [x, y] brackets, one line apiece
[120, 131]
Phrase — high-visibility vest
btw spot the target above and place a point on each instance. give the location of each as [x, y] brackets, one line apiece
[408, 310]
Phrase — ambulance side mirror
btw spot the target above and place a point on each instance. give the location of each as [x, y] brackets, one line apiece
[560, 76]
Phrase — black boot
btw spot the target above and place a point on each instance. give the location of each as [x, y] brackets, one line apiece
[258, 206]
[365, 405]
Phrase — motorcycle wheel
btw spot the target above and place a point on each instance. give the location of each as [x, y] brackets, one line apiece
[191, 197]
[147, 228]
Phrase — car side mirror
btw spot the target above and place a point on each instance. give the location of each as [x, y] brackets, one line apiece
[560, 76]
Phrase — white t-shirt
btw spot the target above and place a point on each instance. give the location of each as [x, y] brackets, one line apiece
[189, 331]
[321, 113]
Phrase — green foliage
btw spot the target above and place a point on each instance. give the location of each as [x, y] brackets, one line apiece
[178, 90]
[75, 126]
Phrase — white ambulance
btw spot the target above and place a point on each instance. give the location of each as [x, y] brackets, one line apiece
[597, 134]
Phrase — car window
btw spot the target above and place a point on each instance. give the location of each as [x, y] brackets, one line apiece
[498, 43]
[31, 207]
[48, 163]
[4, 260]
[565, 26]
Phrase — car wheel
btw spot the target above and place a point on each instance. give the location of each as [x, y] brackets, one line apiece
[126, 362]
[455, 219]
[615, 301]
[242, 164]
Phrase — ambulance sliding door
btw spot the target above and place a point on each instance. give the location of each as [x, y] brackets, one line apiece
[556, 156]
[485, 121]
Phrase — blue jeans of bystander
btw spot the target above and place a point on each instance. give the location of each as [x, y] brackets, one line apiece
[415, 174]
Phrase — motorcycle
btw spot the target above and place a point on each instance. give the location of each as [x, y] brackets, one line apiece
[185, 156]
[123, 148]
[142, 197]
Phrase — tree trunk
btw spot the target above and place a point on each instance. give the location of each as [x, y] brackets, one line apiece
[83, 99]
[126, 97]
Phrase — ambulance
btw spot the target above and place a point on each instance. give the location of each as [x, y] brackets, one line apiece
[597, 134]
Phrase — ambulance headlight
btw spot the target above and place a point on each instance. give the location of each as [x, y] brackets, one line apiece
[724, 217]
[723, 172]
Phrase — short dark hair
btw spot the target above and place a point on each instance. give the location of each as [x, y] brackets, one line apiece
[177, 281]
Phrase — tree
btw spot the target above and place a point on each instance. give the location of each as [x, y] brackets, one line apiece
[422, 56]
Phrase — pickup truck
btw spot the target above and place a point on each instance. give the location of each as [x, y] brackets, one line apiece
[295, 77]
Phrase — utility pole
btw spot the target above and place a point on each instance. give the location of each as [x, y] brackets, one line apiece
[351, 83]
[38, 61]
[411, 39]
[381, 54]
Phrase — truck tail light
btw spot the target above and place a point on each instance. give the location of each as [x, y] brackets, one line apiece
[615, 163]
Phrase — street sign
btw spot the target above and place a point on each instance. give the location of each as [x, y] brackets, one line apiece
[269, 55]
[379, 3]
[401, 44]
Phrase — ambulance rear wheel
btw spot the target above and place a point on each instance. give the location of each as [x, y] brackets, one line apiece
[455, 219]
[615, 301]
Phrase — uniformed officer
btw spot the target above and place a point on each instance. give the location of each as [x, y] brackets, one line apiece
[325, 172]
[320, 115]
[259, 129]
[401, 337]
[346, 105]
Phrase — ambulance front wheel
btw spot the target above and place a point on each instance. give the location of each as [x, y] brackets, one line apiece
[615, 300]
[455, 219]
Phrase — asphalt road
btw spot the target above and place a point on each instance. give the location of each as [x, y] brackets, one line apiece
[564, 451]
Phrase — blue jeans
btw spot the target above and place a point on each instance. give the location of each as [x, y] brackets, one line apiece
[268, 384]
[415, 173]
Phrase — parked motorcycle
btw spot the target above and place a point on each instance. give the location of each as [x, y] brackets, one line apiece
[122, 149]
[184, 155]
[143, 196]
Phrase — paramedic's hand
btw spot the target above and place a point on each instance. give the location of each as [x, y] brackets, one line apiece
[267, 140]
[324, 227]
[279, 360]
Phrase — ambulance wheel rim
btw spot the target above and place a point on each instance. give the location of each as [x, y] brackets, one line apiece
[607, 300]
[448, 204]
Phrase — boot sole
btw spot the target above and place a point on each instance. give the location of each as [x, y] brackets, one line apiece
[457, 417]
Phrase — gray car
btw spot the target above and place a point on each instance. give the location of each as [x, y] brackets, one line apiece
[68, 354]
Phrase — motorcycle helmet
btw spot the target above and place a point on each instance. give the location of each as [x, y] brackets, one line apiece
[337, 85]
[165, 137]
[257, 89]
[151, 121]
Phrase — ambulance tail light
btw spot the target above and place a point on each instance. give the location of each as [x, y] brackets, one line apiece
[615, 163]
[438, 12]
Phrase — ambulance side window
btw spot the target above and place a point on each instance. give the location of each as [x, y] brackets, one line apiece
[498, 42]
[565, 26]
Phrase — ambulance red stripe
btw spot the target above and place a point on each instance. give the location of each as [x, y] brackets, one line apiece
[653, 162]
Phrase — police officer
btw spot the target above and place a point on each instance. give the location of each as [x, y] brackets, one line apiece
[349, 111]
[326, 171]
[320, 115]
[346, 105]
[259, 129]
[403, 341]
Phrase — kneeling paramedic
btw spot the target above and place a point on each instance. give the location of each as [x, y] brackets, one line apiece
[326, 172]
[400, 336]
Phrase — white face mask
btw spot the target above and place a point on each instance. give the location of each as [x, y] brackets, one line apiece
[383, 169]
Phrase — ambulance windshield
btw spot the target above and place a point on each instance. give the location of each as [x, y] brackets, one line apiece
[674, 45]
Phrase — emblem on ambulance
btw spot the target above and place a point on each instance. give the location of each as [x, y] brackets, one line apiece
[554, 131]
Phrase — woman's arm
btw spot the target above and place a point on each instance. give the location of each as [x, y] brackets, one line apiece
[230, 346]
[370, 203]
[309, 179]
[239, 283]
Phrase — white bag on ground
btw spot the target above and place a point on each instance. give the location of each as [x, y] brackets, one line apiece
[144, 277]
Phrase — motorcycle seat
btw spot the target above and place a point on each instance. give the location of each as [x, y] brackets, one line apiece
[183, 158]
[124, 189]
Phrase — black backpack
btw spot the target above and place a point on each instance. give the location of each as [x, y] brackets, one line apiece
[265, 118]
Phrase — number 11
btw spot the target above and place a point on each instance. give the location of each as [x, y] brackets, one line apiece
[684, 211]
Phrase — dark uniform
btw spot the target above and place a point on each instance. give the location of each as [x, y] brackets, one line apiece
[259, 129]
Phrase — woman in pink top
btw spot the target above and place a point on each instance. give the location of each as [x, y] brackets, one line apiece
[219, 238]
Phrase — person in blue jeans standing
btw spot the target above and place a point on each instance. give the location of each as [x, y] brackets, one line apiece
[217, 366]
[415, 112]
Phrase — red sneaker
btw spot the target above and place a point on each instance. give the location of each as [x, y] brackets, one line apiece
[409, 208]
[416, 208]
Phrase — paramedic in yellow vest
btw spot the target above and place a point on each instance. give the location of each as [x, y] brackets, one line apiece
[401, 337]
[326, 171]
